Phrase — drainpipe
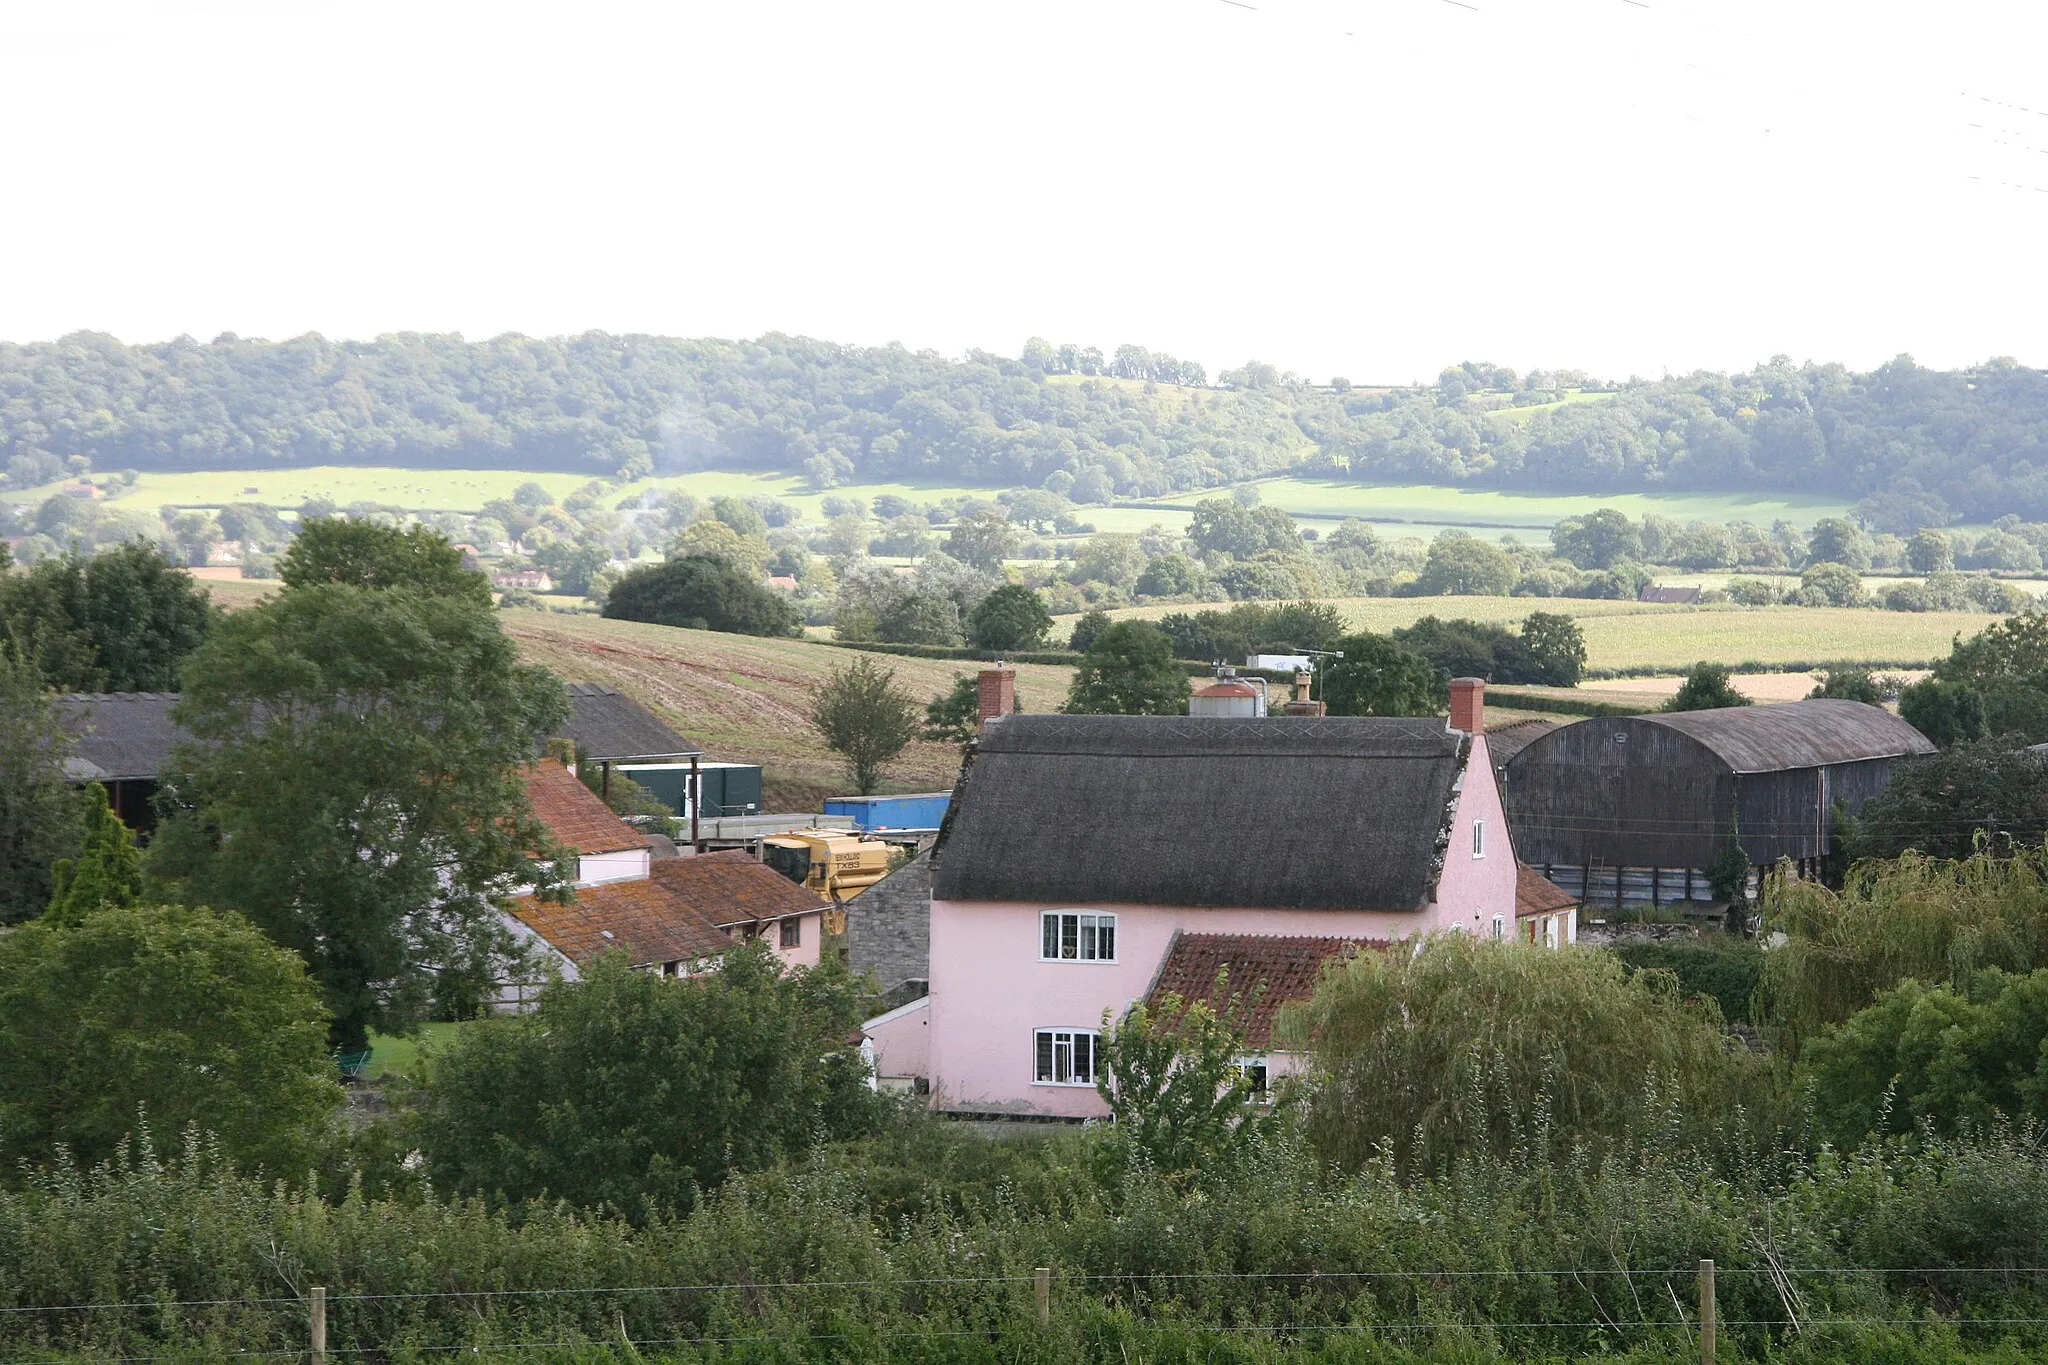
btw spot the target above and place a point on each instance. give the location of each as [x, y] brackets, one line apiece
[696, 803]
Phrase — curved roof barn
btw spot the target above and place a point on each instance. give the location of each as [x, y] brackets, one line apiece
[1798, 734]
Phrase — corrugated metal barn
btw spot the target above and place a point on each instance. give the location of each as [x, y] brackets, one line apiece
[1634, 808]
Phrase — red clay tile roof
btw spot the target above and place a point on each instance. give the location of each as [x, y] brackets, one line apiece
[646, 919]
[1536, 894]
[575, 814]
[1287, 968]
[733, 888]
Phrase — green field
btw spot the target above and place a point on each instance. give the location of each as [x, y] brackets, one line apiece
[399, 1056]
[1639, 635]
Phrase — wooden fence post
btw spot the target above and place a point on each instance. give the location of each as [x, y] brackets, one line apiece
[1707, 1312]
[317, 1307]
[1041, 1284]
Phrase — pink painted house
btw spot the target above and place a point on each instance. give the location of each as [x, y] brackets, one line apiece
[1082, 852]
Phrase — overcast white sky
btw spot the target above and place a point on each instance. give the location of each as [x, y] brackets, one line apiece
[1373, 188]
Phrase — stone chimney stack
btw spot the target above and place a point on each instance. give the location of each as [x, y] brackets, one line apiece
[1468, 705]
[998, 693]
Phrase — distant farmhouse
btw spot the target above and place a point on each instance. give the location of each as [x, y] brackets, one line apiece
[1087, 861]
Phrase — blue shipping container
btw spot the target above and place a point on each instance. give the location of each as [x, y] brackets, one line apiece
[919, 810]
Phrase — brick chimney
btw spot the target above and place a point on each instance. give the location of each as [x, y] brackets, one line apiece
[998, 693]
[1468, 705]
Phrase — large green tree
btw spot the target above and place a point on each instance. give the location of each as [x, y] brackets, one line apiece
[165, 1016]
[1129, 670]
[1011, 617]
[1377, 677]
[1461, 565]
[2006, 665]
[364, 554]
[1944, 803]
[41, 817]
[702, 592]
[121, 620]
[635, 1092]
[1706, 688]
[865, 718]
[356, 789]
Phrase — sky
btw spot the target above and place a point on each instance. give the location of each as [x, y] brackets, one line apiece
[1366, 188]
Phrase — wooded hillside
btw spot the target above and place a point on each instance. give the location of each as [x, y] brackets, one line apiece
[1922, 447]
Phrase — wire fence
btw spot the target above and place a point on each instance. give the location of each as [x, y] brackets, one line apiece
[306, 1314]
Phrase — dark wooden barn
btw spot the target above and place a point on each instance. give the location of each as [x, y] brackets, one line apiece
[1635, 808]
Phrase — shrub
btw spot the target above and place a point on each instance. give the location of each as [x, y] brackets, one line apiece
[633, 1091]
[180, 1016]
[702, 592]
[1724, 970]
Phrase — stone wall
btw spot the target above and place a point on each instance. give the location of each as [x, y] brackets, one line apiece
[889, 931]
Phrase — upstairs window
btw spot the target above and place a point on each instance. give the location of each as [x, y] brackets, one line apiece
[1479, 838]
[1063, 1056]
[1076, 936]
[792, 933]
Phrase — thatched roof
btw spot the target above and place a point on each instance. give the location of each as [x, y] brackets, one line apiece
[1285, 812]
[610, 727]
[119, 736]
[1799, 734]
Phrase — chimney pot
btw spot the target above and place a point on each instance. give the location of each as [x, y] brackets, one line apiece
[998, 694]
[1468, 705]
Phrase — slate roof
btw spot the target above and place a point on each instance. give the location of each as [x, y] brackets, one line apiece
[1281, 970]
[645, 918]
[575, 814]
[732, 888]
[1536, 894]
[611, 727]
[1797, 734]
[1307, 813]
[119, 736]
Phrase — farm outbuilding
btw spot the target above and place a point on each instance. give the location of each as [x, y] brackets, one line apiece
[1636, 808]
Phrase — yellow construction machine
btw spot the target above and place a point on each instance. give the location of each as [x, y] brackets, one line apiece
[833, 863]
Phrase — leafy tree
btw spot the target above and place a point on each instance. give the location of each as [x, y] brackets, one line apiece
[1912, 917]
[1012, 617]
[1129, 670]
[1087, 630]
[734, 512]
[1829, 584]
[1377, 677]
[983, 539]
[1942, 804]
[1946, 712]
[1170, 575]
[40, 814]
[634, 1092]
[1553, 650]
[364, 554]
[1929, 552]
[1706, 688]
[865, 718]
[166, 1016]
[1849, 684]
[1227, 527]
[918, 617]
[1599, 540]
[1459, 648]
[1113, 558]
[702, 592]
[1470, 1048]
[1465, 567]
[120, 621]
[2006, 664]
[1935, 1058]
[713, 538]
[357, 790]
[573, 564]
[1835, 540]
[1175, 1080]
[1728, 879]
[106, 874]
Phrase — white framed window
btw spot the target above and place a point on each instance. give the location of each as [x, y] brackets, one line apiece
[1500, 926]
[1479, 838]
[1076, 936]
[1063, 1056]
